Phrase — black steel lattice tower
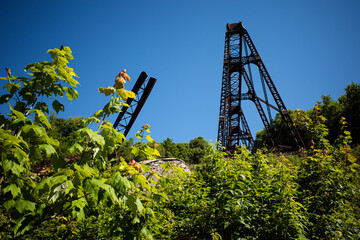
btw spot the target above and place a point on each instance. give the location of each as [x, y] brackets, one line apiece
[240, 56]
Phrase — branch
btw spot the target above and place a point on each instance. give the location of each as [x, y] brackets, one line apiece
[32, 105]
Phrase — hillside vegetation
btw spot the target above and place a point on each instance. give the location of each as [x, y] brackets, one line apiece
[60, 179]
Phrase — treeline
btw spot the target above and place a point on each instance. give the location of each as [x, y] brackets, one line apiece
[191, 152]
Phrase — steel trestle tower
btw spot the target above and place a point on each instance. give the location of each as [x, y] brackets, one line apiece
[233, 129]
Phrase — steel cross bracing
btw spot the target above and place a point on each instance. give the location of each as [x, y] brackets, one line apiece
[128, 115]
[233, 128]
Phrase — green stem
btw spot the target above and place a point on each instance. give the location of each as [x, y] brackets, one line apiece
[101, 123]
[27, 113]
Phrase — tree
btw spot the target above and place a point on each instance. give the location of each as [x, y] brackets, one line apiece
[171, 151]
[184, 151]
[64, 130]
[88, 186]
[351, 110]
[198, 148]
[332, 110]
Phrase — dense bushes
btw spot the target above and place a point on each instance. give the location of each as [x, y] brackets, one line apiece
[327, 111]
[312, 194]
[264, 196]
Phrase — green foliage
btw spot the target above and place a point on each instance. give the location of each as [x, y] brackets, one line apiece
[199, 147]
[89, 191]
[84, 181]
[64, 130]
[192, 152]
[351, 111]
[171, 151]
[184, 151]
[263, 196]
[324, 116]
[246, 196]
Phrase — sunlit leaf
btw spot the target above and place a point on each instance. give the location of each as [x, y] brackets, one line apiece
[141, 180]
[107, 91]
[24, 205]
[149, 138]
[14, 189]
[49, 149]
[58, 106]
[42, 118]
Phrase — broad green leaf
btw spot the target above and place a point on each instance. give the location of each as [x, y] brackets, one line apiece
[12, 166]
[135, 220]
[94, 136]
[47, 184]
[20, 155]
[134, 203]
[166, 166]
[107, 188]
[141, 180]
[135, 151]
[42, 106]
[149, 138]
[19, 115]
[90, 187]
[23, 225]
[84, 171]
[71, 94]
[24, 205]
[76, 148]
[78, 208]
[51, 141]
[98, 113]
[35, 153]
[58, 106]
[107, 91]
[39, 131]
[9, 204]
[90, 120]
[14, 189]
[5, 98]
[12, 87]
[147, 234]
[42, 118]
[131, 94]
[113, 106]
[145, 167]
[57, 191]
[120, 183]
[122, 93]
[49, 149]
[150, 152]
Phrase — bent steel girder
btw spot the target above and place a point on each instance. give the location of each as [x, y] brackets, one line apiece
[128, 115]
[233, 127]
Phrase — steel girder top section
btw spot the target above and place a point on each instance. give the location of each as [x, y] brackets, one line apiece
[128, 115]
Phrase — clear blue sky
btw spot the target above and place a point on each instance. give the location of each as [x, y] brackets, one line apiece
[310, 48]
